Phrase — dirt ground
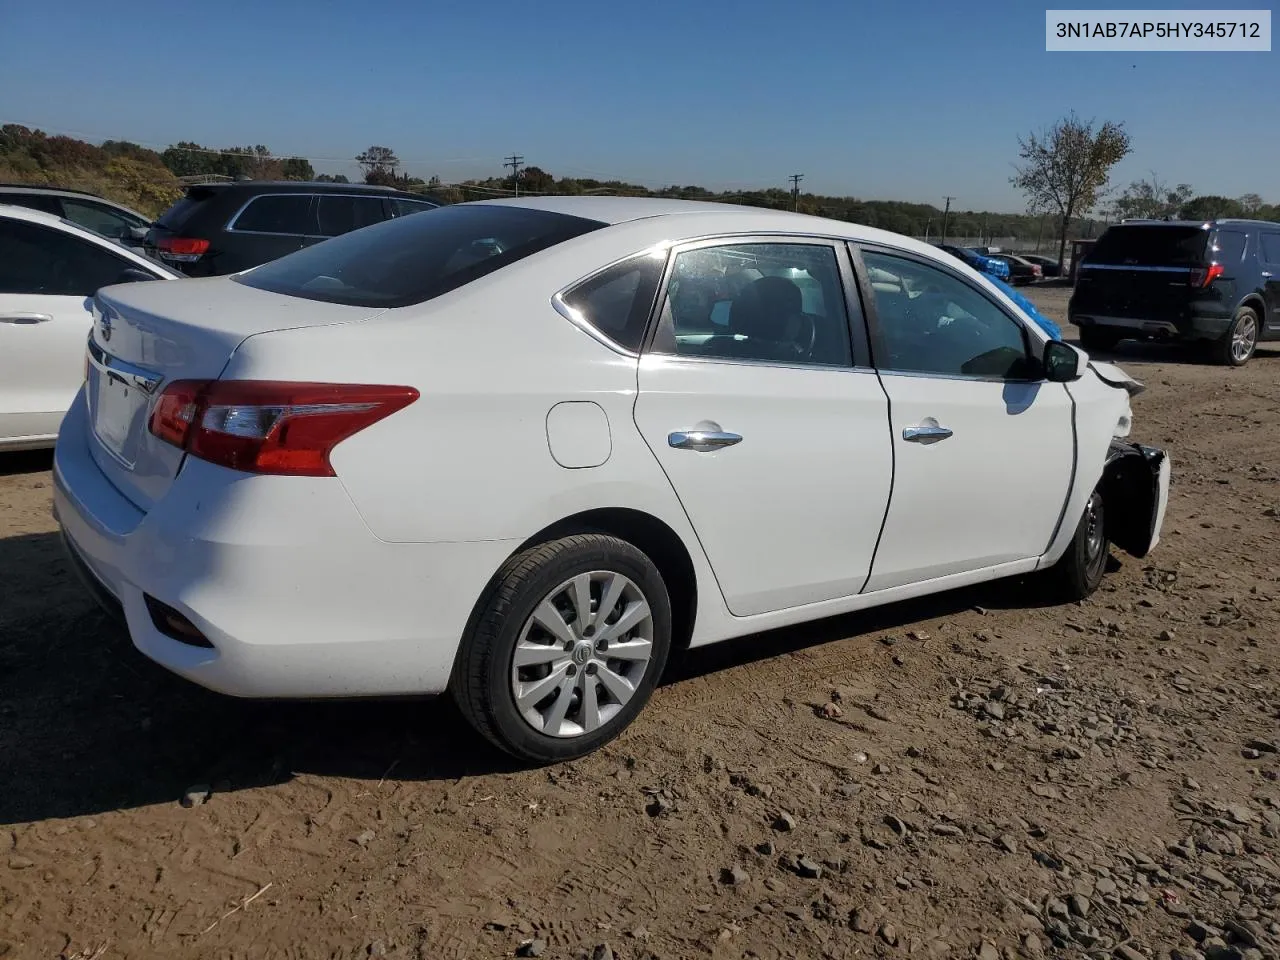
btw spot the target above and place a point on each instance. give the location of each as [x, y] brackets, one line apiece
[978, 774]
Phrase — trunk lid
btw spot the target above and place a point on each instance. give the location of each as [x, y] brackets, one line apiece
[146, 335]
[1141, 270]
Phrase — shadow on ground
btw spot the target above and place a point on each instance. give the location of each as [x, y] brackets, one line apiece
[87, 724]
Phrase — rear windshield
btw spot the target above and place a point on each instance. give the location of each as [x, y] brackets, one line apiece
[1150, 246]
[412, 259]
[180, 212]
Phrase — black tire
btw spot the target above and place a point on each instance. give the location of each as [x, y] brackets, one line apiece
[483, 678]
[1099, 338]
[1079, 573]
[1237, 345]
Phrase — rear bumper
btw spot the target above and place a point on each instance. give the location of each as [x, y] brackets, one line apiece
[1197, 327]
[296, 595]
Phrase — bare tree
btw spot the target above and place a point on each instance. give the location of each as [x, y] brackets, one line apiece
[1065, 169]
[1250, 203]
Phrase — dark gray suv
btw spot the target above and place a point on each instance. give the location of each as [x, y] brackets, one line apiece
[222, 228]
[1216, 283]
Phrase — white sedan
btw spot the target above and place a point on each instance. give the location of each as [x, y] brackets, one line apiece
[49, 268]
[521, 450]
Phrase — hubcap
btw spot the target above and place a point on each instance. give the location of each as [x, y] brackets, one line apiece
[582, 654]
[1243, 340]
[1094, 529]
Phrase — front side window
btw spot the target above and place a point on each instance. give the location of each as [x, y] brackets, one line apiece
[36, 259]
[290, 214]
[409, 260]
[933, 322]
[762, 302]
[617, 301]
[100, 219]
[340, 214]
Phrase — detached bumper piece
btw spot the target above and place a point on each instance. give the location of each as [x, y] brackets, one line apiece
[1135, 489]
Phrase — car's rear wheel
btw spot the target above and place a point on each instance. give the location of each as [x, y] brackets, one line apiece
[566, 648]
[1237, 345]
[1079, 573]
[1098, 338]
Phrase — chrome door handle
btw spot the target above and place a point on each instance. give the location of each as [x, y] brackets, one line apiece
[1267, 274]
[25, 317]
[925, 434]
[702, 441]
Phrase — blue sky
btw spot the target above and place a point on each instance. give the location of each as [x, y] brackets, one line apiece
[902, 100]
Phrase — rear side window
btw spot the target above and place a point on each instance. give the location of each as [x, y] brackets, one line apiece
[1228, 247]
[1146, 246]
[340, 214]
[33, 201]
[1270, 247]
[290, 213]
[410, 260]
[618, 301]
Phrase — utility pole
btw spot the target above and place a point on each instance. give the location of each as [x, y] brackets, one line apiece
[795, 179]
[927, 225]
[514, 162]
[946, 216]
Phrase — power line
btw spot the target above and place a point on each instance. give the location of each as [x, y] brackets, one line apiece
[514, 162]
[795, 179]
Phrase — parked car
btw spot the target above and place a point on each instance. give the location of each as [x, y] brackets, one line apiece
[223, 228]
[48, 267]
[87, 210]
[1049, 267]
[1021, 270]
[393, 463]
[1215, 283]
[984, 264]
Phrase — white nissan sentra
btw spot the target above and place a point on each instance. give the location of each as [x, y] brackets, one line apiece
[519, 450]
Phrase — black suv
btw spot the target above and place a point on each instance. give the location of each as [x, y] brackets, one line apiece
[1216, 283]
[221, 228]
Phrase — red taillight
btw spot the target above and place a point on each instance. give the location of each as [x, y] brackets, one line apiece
[1200, 277]
[182, 246]
[262, 426]
[1035, 270]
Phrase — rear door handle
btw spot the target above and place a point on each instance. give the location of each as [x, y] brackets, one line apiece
[925, 434]
[25, 317]
[702, 441]
[1267, 274]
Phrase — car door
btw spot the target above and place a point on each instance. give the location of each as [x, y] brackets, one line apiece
[46, 276]
[756, 397]
[1269, 254]
[268, 227]
[983, 447]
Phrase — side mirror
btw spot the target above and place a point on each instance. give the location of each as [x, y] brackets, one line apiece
[136, 234]
[1061, 362]
[133, 275]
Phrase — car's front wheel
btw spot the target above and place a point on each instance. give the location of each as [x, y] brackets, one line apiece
[1079, 573]
[566, 648]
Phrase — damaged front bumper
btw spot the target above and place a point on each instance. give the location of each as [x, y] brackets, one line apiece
[1135, 491]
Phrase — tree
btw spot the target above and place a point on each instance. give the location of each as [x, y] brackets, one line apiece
[1210, 207]
[1065, 169]
[536, 180]
[379, 165]
[1151, 199]
[296, 168]
[331, 178]
[1250, 203]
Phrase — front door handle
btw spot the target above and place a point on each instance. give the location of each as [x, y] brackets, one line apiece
[25, 317]
[702, 441]
[925, 434]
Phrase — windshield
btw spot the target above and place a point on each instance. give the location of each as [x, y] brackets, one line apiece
[1150, 246]
[413, 259]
